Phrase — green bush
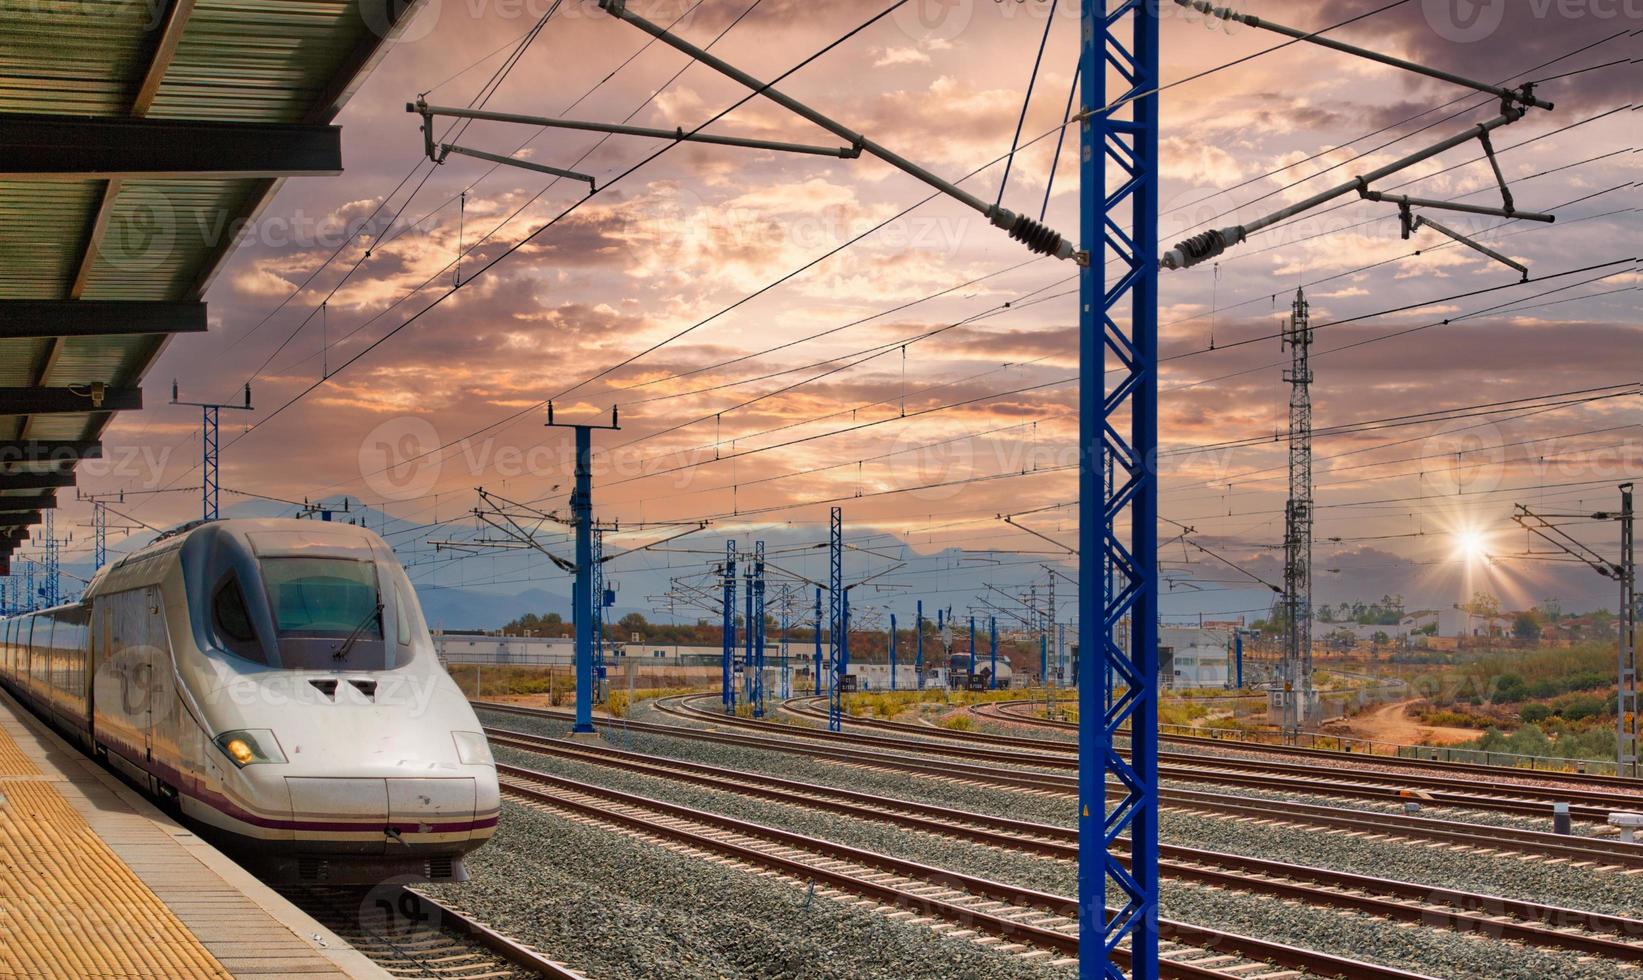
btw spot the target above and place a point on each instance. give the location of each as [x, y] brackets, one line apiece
[1534, 714]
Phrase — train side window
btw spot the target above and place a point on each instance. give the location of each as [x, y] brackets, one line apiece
[233, 622]
[402, 616]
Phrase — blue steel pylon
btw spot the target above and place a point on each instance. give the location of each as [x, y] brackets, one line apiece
[836, 620]
[728, 630]
[1118, 328]
[892, 651]
[918, 645]
[817, 672]
[598, 571]
[992, 629]
[210, 413]
[53, 584]
[583, 604]
[756, 627]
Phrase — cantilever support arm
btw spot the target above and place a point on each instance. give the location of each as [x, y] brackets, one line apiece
[1404, 201]
[1422, 219]
[1036, 236]
[1207, 245]
[677, 134]
[1524, 95]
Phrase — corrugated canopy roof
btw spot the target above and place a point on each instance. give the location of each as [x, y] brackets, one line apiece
[136, 136]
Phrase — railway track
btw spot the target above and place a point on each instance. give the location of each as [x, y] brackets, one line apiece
[1613, 937]
[1601, 854]
[410, 934]
[1514, 798]
[1027, 919]
[1013, 712]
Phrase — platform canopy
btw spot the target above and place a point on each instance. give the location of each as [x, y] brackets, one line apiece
[137, 138]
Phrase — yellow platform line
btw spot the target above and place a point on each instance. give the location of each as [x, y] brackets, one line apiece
[69, 907]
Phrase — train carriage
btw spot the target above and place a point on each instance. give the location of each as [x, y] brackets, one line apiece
[275, 682]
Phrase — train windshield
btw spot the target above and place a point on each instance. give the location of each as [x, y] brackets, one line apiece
[324, 597]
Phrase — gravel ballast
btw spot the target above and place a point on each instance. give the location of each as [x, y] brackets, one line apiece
[616, 908]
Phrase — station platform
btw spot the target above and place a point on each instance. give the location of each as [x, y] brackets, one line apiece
[95, 881]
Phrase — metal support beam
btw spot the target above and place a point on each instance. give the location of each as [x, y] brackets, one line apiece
[1626, 720]
[756, 630]
[892, 651]
[727, 632]
[1405, 201]
[1118, 327]
[76, 398]
[96, 318]
[817, 672]
[836, 619]
[1470, 243]
[45, 147]
[582, 599]
[28, 502]
[992, 629]
[19, 519]
[1037, 237]
[37, 481]
[918, 644]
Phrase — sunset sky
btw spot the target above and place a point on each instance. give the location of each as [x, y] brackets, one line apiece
[895, 363]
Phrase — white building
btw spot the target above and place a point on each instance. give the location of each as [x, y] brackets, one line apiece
[1192, 657]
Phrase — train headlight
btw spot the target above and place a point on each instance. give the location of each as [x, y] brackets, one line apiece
[472, 749]
[249, 747]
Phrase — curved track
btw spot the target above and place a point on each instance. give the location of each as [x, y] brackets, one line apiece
[1014, 713]
[1020, 915]
[1508, 842]
[1302, 777]
[1614, 937]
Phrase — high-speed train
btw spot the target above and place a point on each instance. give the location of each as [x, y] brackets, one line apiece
[274, 681]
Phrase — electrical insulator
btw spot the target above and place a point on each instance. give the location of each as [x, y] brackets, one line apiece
[1196, 249]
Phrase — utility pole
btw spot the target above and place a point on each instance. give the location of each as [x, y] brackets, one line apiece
[817, 671]
[1296, 672]
[918, 645]
[1118, 426]
[600, 601]
[582, 599]
[209, 417]
[992, 629]
[728, 630]
[836, 600]
[1626, 721]
[53, 584]
[757, 626]
[1549, 527]
[892, 651]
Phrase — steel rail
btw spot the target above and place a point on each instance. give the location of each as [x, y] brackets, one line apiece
[1466, 912]
[1003, 711]
[1296, 777]
[1603, 852]
[1025, 899]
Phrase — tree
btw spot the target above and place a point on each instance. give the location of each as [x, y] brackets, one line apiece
[1483, 604]
[1380, 639]
[1526, 626]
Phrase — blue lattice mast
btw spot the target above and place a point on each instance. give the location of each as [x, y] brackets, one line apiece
[992, 629]
[728, 629]
[597, 568]
[817, 671]
[892, 651]
[210, 416]
[53, 593]
[836, 619]
[756, 627]
[918, 645]
[1118, 329]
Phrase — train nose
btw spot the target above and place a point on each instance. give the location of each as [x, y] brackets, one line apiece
[377, 815]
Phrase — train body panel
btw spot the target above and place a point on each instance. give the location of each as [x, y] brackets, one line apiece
[275, 679]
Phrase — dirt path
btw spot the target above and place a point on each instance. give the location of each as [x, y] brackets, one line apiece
[1391, 723]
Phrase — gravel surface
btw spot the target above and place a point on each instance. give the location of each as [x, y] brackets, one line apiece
[1506, 876]
[616, 908]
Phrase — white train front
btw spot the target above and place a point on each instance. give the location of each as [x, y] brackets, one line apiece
[273, 680]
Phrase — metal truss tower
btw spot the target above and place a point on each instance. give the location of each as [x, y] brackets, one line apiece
[1296, 696]
[836, 620]
[892, 651]
[755, 627]
[1626, 721]
[99, 534]
[210, 413]
[918, 644]
[53, 593]
[816, 673]
[727, 693]
[597, 569]
[1118, 424]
